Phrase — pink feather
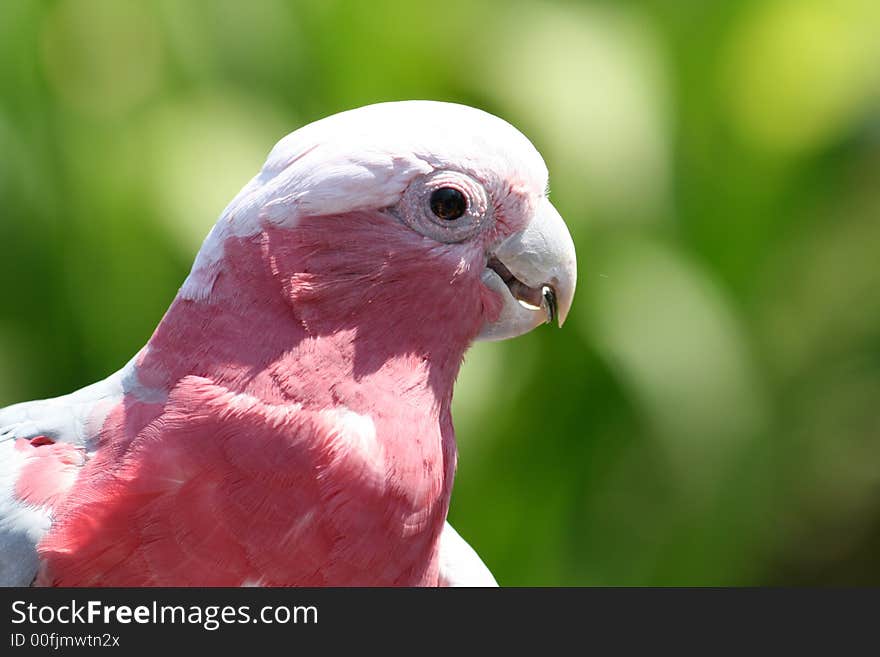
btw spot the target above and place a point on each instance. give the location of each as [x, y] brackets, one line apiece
[249, 472]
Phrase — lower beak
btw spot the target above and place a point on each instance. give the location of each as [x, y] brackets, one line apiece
[535, 272]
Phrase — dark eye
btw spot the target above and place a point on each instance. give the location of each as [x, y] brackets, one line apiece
[448, 203]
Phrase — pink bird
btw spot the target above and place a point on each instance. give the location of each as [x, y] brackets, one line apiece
[288, 423]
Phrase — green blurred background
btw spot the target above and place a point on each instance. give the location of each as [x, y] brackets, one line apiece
[711, 412]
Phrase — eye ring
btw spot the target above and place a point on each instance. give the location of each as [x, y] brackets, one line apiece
[448, 203]
[445, 205]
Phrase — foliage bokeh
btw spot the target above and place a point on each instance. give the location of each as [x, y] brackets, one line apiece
[709, 415]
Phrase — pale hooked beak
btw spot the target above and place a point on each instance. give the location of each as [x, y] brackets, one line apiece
[535, 272]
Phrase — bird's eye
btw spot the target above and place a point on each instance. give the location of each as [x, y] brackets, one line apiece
[448, 204]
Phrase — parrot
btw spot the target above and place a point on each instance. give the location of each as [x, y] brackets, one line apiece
[288, 423]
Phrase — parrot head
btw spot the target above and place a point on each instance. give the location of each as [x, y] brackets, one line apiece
[420, 221]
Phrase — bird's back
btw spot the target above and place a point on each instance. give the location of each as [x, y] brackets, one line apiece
[43, 446]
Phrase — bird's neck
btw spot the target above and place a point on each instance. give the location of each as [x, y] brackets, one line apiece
[305, 316]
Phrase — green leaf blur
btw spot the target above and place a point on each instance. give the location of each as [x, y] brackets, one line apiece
[709, 414]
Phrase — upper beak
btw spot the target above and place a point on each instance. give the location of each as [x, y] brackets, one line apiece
[535, 272]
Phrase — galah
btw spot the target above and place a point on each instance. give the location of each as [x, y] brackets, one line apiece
[288, 422]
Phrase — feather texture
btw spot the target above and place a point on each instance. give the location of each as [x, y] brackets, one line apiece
[288, 423]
